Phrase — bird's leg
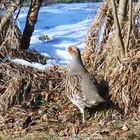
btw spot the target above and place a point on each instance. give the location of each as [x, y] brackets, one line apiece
[82, 111]
[83, 117]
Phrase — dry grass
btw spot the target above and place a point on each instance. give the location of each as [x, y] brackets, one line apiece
[103, 58]
[115, 130]
[33, 104]
[19, 81]
[27, 92]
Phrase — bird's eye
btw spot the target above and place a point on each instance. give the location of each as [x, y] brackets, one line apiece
[69, 49]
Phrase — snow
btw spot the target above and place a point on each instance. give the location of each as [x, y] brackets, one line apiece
[65, 25]
[33, 64]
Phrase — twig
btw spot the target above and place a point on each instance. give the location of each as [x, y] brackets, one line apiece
[122, 11]
[118, 30]
[18, 12]
[137, 7]
[9, 13]
[129, 27]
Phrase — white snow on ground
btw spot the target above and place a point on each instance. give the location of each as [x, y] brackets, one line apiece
[34, 64]
[65, 24]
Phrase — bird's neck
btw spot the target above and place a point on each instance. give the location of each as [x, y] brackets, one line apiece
[76, 65]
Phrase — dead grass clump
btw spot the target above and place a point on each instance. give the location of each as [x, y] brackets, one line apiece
[21, 84]
[10, 35]
[103, 58]
[13, 89]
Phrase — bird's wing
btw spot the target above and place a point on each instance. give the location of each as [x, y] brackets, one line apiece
[90, 88]
[74, 87]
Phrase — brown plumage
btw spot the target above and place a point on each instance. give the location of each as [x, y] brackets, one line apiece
[80, 85]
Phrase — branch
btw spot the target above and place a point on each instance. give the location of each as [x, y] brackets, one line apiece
[129, 26]
[118, 30]
[122, 11]
[18, 12]
[137, 7]
[9, 13]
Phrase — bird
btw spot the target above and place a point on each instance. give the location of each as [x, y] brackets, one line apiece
[80, 86]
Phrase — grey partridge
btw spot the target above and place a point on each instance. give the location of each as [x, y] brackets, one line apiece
[80, 85]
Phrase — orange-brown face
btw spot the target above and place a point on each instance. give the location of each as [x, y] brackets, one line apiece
[73, 50]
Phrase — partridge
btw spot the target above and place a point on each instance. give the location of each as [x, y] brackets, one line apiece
[81, 87]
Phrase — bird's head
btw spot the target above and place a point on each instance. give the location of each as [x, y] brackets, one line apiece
[76, 64]
[74, 51]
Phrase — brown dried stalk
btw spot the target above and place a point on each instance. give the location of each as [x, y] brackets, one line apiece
[137, 7]
[129, 27]
[118, 30]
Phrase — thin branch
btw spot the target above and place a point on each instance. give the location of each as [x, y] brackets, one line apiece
[136, 11]
[122, 11]
[137, 7]
[118, 30]
[129, 26]
[18, 12]
[30, 23]
[9, 13]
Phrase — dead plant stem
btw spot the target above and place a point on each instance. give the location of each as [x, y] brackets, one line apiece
[129, 27]
[118, 30]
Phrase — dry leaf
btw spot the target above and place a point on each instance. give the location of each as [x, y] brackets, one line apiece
[125, 134]
[51, 131]
[64, 132]
[44, 117]
[75, 130]
[46, 95]
[105, 132]
[124, 128]
[138, 55]
[94, 125]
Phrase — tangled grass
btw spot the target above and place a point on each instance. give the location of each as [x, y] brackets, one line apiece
[33, 103]
[102, 57]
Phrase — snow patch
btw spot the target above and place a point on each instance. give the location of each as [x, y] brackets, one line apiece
[66, 24]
